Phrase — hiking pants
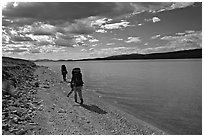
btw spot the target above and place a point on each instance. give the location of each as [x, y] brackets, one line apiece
[78, 90]
[64, 77]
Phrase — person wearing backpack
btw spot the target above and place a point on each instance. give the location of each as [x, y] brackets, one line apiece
[77, 84]
[64, 72]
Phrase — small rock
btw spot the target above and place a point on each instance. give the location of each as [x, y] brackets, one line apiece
[21, 132]
[36, 84]
[45, 86]
[15, 119]
[33, 123]
[40, 108]
[62, 111]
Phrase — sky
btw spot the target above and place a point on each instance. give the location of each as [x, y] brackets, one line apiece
[79, 30]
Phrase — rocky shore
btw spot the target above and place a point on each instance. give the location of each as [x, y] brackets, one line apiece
[19, 105]
[36, 104]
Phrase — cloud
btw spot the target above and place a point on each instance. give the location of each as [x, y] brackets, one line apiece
[118, 39]
[43, 29]
[64, 42]
[190, 31]
[20, 38]
[140, 24]
[196, 36]
[104, 24]
[94, 45]
[118, 25]
[101, 31]
[70, 11]
[110, 44]
[101, 21]
[133, 39]
[83, 50]
[15, 50]
[180, 33]
[187, 41]
[93, 40]
[155, 7]
[180, 5]
[66, 10]
[154, 19]
[79, 39]
[17, 21]
[67, 24]
[34, 51]
[146, 44]
[91, 49]
[156, 36]
[80, 27]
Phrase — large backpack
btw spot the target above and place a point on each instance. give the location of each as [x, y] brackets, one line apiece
[76, 77]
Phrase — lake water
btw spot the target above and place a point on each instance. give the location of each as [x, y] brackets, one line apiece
[164, 93]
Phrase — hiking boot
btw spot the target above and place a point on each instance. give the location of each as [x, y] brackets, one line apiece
[81, 101]
[69, 93]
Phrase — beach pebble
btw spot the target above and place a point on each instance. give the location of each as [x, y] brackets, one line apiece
[61, 111]
[36, 84]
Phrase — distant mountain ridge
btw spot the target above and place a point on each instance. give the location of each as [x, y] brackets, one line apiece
[184, 54]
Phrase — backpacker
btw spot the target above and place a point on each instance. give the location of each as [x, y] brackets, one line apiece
[76, 78]
[63, 70]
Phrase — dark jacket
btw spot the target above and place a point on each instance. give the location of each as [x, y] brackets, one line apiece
[63, 70]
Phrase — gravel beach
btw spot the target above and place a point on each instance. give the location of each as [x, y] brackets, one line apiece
[38, 105]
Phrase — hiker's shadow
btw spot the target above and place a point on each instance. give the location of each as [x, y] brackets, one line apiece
[94, 108]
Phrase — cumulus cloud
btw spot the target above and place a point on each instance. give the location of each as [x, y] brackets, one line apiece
[155, 7]
[34, 51]
[101, 21]
[66, 10]
[110, 44]
[64, 42]
[15, 50]
[180, 33]
[20, 38]
[93, 40]
[43, 29]
[190, 31]
[102, 28]
[178, 42]
[156, 36]
[80, 28]
[91, 49]
[101, 31]
[133, 39]
[120, 39]
[180, 5]
[62, 22]
[189, 40]
[146, 44]
[154, 19]
[140, 24]
[118, 25]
